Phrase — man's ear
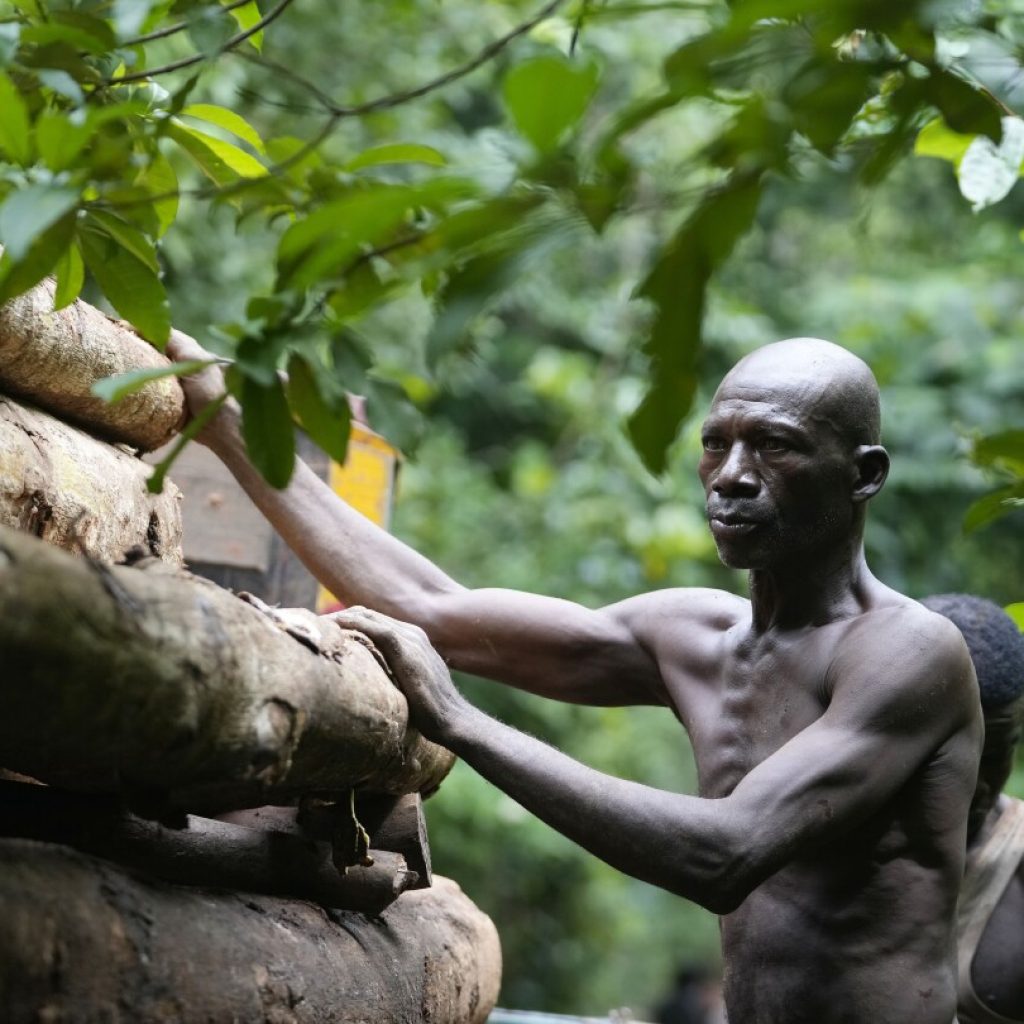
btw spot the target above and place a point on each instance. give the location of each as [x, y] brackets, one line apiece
[871, 462]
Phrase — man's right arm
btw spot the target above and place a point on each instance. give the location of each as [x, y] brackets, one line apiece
[544, 645]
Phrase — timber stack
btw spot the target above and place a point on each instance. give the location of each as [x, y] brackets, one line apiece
[210, 808]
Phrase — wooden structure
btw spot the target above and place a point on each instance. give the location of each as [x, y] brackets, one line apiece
[151, 718]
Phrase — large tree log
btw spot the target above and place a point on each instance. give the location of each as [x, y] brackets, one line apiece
[150, 680]
[82, 941]
[53, 358]
[81, 494]
[205, 853]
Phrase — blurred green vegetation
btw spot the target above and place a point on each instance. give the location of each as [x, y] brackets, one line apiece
[524, 475]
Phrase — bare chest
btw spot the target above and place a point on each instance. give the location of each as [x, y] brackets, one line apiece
[754, 702]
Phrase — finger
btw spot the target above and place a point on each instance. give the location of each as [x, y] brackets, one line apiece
[182, 348]
[395, 639]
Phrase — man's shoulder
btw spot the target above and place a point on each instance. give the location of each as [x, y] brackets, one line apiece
[903, 625]
[709, 606]
[911, 649]
[684, 612]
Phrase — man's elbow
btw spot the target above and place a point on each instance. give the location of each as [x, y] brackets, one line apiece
[724, 876]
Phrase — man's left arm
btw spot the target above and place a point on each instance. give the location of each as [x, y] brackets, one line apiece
[889, 713]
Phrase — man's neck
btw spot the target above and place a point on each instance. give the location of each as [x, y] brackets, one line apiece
[815, 591]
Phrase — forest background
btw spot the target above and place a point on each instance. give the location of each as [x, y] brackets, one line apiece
[511, 369]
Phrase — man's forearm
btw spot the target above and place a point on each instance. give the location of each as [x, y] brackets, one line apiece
[353, 557]
[673, 841]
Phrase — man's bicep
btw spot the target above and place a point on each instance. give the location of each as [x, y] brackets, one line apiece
[548, 646]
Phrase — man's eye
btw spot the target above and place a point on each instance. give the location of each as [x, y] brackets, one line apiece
[714, 444]
[772, 444]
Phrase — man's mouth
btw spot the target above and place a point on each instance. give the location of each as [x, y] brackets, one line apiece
[732, 526]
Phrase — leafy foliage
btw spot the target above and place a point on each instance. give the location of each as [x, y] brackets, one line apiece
[107, 115]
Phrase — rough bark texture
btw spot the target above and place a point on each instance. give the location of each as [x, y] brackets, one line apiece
[151, 682]
[54, 358]
[205, 852]
[82, 941]
[81, 494]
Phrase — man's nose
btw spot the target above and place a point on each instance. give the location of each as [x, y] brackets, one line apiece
[737, 476]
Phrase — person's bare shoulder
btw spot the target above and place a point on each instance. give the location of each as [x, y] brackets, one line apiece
[905, 656]
[685, 615]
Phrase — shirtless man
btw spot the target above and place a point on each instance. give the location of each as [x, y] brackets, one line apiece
[835, 723]
[990, 917]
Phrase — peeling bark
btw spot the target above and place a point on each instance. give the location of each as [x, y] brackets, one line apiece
[53, 358]
[151, 682]
[81, 494]
[82, 941]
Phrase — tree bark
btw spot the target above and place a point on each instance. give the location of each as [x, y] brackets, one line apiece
[82, 941]
[205, 852]
[154, 683]
[53, 358]
[81, 494]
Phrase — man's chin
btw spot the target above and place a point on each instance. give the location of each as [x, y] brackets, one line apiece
[734, 558]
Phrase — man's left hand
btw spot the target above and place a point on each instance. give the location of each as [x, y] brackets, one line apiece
[418, 669]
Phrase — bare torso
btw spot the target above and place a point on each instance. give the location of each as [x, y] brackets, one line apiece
[997, 968]
[862, 928]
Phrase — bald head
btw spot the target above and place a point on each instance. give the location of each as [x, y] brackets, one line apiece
[821, 380]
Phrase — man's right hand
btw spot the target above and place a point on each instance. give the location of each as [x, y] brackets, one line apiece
[203, 387]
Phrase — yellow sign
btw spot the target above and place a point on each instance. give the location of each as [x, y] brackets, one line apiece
[366, 482]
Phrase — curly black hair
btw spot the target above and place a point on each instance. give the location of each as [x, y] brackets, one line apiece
[995, 643]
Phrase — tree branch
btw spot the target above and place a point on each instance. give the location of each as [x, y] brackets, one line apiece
[180, 26]
[187, 62]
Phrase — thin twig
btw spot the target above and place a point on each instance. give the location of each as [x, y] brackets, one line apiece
[180, 26]
[396, 99]
[337, 113]
[187, 62]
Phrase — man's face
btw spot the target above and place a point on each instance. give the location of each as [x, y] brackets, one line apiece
[776, 477]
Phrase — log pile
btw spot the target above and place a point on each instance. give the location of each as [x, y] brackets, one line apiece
[217, 812]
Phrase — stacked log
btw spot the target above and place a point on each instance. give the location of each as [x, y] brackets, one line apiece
[150, 716]
[171, 954]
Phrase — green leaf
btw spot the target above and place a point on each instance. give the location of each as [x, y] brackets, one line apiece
[46, 250]
[397, 153]
[130, 285]
[121, 385]
[963, 107]
[267, 429]
[158, 178]
[202, 155]
[27, 212]
[246, 16]
[209, 28]
[1006, 447]
[1016, 612]
[994, 506]
[126, 235]
[547, 96]
[229, 155]
[824, 96]
[327, 423]
[62, 84]
[14, 133]
[70, 274]
[333, 235]
[59, 141]
[936, 140]
[226, 119]
[677, 286]
[81, 31]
